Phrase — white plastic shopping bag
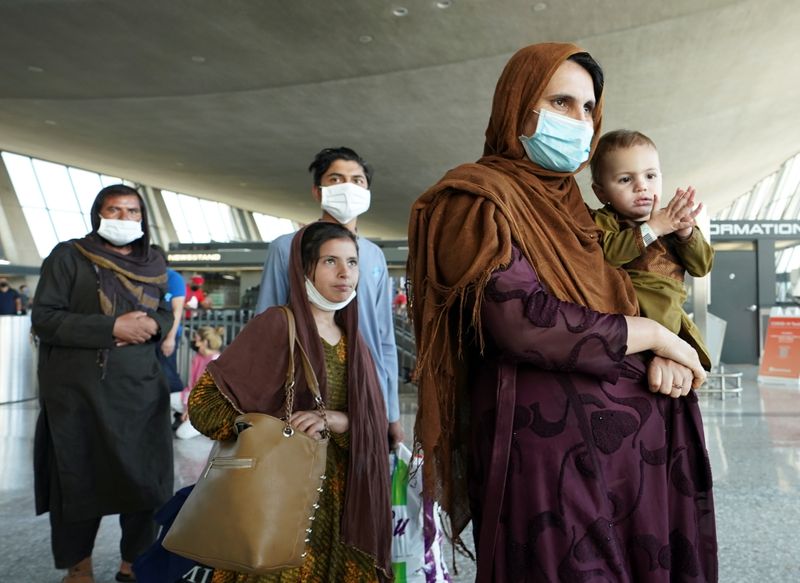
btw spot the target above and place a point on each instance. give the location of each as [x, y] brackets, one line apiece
[416, 528]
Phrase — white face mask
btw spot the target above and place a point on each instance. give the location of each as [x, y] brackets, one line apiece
[321, 302]
[120, 233]
[344, 202]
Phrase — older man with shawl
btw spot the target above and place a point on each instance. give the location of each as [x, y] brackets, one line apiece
[576, 458]
[103, 443]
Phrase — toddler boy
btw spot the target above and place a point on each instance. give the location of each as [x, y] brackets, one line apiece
[656, 246]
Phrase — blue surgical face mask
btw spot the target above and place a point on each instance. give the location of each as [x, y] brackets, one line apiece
[559, 143]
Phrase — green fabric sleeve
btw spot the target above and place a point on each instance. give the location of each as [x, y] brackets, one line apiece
[695, 253]
[210, 412]
[620, 246]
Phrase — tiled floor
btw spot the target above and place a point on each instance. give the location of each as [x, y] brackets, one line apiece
[754, 444]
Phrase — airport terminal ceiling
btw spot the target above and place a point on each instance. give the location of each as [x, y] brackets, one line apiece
[229, 100]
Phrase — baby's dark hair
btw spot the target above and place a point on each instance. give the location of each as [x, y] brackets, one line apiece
[616, 140]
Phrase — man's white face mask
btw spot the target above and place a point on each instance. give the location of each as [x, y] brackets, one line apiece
[120, 233]
[344, 202]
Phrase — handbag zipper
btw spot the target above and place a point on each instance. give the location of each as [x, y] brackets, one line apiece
[229, 462]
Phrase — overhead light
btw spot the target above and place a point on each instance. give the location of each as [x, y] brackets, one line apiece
[226, 276]
[199, 59]
[51, 122]
[35, 69]
[400, 11]
[5, 262]
[444, 4]
[539, 7]
[365, 38]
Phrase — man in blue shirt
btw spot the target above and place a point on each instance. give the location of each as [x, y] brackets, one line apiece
[10, 302]
[341, 180]
[168, 349]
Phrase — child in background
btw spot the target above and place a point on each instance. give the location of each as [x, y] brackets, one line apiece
[656, 246]
[208, 341]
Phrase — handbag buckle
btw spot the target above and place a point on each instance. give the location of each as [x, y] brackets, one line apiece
[288, 431]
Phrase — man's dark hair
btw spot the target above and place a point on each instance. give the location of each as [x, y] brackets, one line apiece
[592, 67]
[324, 159]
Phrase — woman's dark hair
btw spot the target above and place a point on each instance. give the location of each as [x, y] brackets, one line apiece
[315, 235]
[324, 159]
[586, 61]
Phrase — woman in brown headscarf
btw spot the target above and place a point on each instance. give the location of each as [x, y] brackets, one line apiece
[550, 414]
[351, 538]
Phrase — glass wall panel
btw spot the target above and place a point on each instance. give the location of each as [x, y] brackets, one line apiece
[24, 180]
[195, 219]
[226, 217]
[176, 215]
[56, 186]
[271, 227]
[214, 213]
[202, 221]
[109, 180]
[788, 260]
[55, 199]
[68, 225]
[776, 197]
[737, 212]
[757, 196]
[86, 185]
[793, 207]
[42, 229]
[784, 190]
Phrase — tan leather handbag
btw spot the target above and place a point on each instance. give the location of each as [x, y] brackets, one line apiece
[252, 510]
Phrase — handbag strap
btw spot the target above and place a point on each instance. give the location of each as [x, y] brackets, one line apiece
[308, 373]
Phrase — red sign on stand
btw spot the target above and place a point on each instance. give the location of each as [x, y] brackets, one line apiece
[781, 359]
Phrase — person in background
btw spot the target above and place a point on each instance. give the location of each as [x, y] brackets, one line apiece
[10, 302]
[655, 246]
[168, 349]
[341, 182]
[25, 298]
[208, 343]
[102, 443]
[352, 530]
[400, 302]
[196, 297]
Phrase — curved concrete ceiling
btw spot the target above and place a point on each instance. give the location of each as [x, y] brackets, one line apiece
[230, 100]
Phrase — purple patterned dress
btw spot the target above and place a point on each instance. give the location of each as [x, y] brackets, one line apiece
[605, 480]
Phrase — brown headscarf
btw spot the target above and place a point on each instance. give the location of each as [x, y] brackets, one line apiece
[136, 281]
[462, 230]
[251, 372]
